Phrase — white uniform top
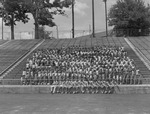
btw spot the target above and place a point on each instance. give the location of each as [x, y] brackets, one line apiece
[24, 73]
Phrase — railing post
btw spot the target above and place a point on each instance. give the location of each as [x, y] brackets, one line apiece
[2, 81]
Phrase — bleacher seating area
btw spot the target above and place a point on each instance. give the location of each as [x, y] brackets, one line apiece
[84, 44]
[78, 67]
[2, 42]
[13, 50]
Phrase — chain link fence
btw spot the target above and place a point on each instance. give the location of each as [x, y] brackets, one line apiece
[52, 34]
[18, 35]
[131, 32]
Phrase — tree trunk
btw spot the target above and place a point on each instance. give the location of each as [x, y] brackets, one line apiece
[36, 30]
[35, 16]
[12, 27]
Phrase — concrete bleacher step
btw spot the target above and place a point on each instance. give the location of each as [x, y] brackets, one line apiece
[13, 50]
[20, 60]
[138, 62]
[87, 42]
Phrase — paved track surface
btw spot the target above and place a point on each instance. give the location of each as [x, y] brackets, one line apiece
[74, 104]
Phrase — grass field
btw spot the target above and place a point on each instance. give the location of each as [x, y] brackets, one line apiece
[74, 104]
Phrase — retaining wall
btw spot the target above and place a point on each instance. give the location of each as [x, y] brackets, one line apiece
[123, 89]
[133, 89]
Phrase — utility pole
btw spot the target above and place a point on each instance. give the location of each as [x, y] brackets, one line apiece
[73, 18]
[3, 25]
[106, 17]
[3, 20]
[93, 18]
[89, 29]
[57, 32]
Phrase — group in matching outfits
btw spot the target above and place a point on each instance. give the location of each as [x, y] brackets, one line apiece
[79, 69]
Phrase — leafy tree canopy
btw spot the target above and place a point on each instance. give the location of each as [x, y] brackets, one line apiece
[43, 11]
[12, 12]
[126, 14]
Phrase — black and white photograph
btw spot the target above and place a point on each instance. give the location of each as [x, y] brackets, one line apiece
[74, 56]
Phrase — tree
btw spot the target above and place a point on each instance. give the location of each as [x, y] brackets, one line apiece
[43, 11]
[129, 14]
[44, 34]
[13, 11]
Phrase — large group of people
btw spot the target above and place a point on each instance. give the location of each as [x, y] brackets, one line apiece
[77, 69]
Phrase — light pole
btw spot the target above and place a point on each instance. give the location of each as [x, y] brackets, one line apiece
[93, 19]
[106, 16]
[73, 18]
[2, 19]
[57, 32]
[89, 29]
[2, 26]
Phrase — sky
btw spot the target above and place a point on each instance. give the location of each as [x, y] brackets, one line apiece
[83, 19]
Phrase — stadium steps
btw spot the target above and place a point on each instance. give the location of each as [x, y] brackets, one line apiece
[120, 41]
[141, 62]
[2, 42]
[138, 62]
[87, 42]
[17, 71]
[29, 46]
[115, 41]
[12, 51]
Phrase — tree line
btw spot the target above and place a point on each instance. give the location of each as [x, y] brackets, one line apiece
[130, 16]
[43, 11]
[124, 16]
